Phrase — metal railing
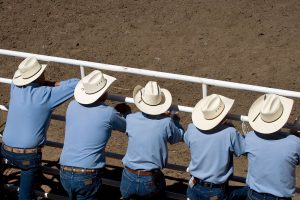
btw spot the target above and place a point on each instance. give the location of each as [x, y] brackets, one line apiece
[204, 81]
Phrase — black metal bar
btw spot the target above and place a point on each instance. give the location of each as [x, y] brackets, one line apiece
[14, 188]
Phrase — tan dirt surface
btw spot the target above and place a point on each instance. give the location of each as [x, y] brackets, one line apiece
[253, 42]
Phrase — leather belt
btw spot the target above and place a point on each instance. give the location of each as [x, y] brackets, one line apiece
[140, 172]
[78, 170]
[265, 195]
[21, 150]
[209, 184]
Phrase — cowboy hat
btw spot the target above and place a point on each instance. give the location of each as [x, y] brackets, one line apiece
[28, 71]
[91, 87]
[210, 111]
[269, 113]
[152, 99]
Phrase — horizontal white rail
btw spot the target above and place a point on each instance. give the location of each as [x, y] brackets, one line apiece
[224, 84]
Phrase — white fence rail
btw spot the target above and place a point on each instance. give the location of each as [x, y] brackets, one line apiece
[204, 81]
[158, 74]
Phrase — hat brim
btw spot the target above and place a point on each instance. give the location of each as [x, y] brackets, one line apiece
[205, 124]
[19, 81]
[152, 110]
[261, 126]
[84, 98]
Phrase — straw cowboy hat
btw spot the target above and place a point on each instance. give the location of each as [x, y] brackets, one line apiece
[152, 99]
[269, 113]
[91, 87]
[28, 71]
[210, 111]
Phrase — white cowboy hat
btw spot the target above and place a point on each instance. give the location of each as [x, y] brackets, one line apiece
[28, 71]
[91, 87]
[269, 113]
[152, 99]
[210, 111]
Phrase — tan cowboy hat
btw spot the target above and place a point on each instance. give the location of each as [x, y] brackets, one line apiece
[269, 113]
[210, 111]
[91, 87]
[152, 99]
[28, 71]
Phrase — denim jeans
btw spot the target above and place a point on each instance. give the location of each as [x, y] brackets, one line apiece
[147, 187]
[239, 194]
[253, 195]
[1, 178]
[81, 185]
[199, 192]
[30, 171]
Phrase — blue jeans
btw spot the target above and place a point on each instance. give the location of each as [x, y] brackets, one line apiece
[147, 187]
[81, 185]
[30, 171]
[253, 195]
[1, 178]
[199, 192]
[239, 194]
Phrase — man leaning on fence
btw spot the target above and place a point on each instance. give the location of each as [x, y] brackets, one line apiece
[147, 152]
[272, 154]
[32, 100]
[89, 123]
[212, 142]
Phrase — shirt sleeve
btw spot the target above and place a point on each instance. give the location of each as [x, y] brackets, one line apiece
[118, 122]
[186, 135]
[63, 92]
[237, 143]
[175, 132]
[298, 151]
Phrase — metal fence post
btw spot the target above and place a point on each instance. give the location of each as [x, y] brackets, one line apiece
[204, 90]
[82, 71]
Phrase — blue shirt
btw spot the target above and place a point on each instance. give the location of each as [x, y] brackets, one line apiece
[212, 152]
[30, 109]
[147, 140]
[88, 129]
[272, 162]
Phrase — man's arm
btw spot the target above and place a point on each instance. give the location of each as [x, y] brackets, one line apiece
[62, 92]
[118, 122]
[238, 143]
[176, 131]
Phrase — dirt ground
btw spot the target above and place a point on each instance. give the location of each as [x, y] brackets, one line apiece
[253, 42]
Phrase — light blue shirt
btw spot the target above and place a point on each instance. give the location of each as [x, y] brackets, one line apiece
[272, 162]
[30, 109]
[212, 152]
[88, 129]
[147, 140]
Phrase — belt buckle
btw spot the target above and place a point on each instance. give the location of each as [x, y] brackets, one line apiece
[207, 184]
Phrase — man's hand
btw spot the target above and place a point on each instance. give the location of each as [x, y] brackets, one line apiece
[123, 108]
[49, 83]
[228, 123]
[172, 114]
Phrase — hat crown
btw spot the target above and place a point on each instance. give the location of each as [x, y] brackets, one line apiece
[29, 67]
[212, 107]
[271, 109]
[151, 93]
[94, 82]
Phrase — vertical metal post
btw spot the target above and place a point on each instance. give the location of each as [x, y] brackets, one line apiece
[204, 89]
[82, 71]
